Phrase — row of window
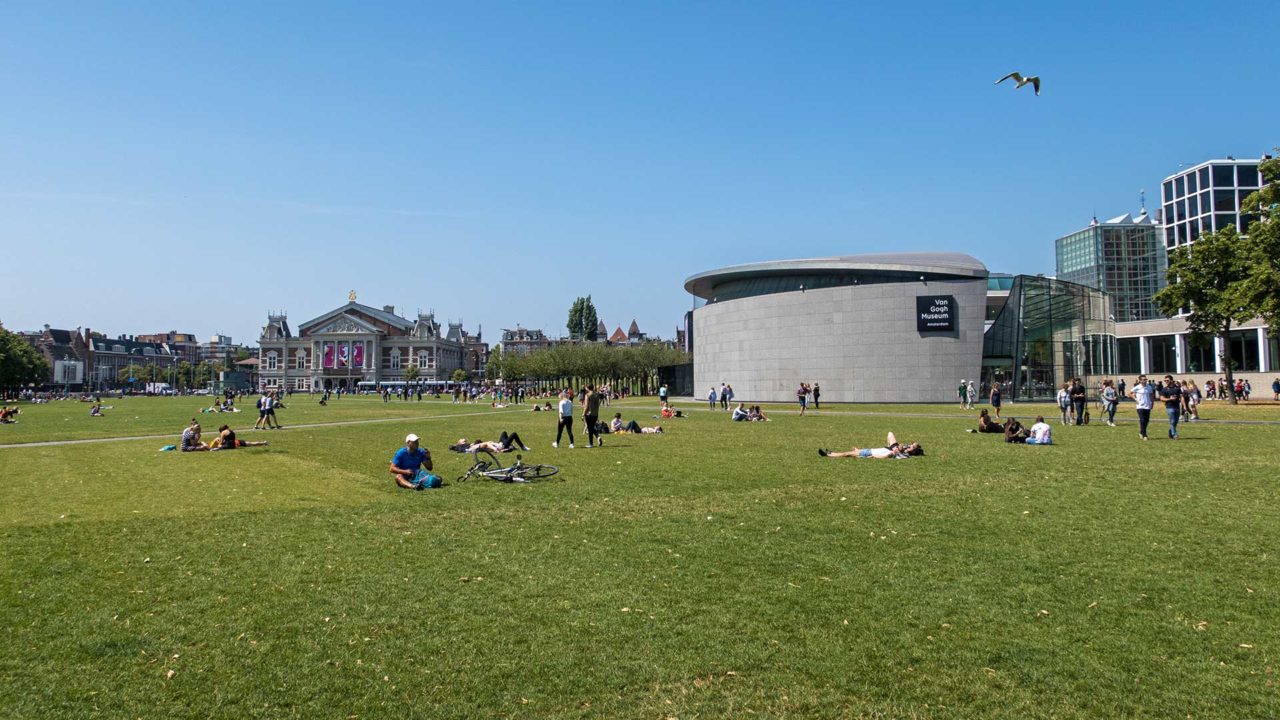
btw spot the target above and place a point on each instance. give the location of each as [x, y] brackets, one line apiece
[392, 360]
[1162, 355]
[1222, 176]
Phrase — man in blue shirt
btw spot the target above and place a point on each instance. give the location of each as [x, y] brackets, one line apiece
[407, 461]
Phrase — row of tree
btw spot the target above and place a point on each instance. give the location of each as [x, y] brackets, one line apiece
[184, 375]
[20, 363]
[635, 366]
[1226, 279]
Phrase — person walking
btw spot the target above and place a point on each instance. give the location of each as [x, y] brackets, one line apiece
[995, 398]
[1064, 401]
[591, 416]
[711, 398]
[663, 393]
[1171, 394]
[962, 393]
[802, 396]
[728, 395]
[817, 393]
[970, 396]
[1142, 397]
[1110, 398]
[724, 396]
[565, 423]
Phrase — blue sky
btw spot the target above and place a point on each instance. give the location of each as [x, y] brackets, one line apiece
[192, 167]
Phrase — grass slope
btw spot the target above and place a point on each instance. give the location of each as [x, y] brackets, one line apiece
[720, 570]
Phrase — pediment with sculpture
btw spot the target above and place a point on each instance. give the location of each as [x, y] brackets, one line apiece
[346, 324]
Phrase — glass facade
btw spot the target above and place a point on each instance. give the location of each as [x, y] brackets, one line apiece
[1207, 199]
[1049, 332]
[1126, 259]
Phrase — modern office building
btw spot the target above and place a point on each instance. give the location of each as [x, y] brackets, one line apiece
[1208, 197]
[355, 344]
[892, 327]
[1124, 257]
[1204, 198]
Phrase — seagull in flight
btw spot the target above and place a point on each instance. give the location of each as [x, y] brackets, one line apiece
[1034, 80]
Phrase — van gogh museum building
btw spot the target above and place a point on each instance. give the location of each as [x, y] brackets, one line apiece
[894, 328]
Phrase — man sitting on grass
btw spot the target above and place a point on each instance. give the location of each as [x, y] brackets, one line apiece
[409, 463]
[227, 440]
[892, 449]
[1041, 433]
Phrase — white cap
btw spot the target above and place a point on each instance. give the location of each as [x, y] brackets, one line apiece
[410, 438]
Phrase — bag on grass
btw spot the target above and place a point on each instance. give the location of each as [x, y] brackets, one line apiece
[424, 480]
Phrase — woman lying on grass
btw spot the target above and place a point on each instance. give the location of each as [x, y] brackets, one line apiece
[226, 440]
[618, 426]
[505, 443]
[892, 449]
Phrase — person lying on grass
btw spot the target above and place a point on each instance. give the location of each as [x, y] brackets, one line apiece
[506, 442]
[616, 425]
[408, 462]
[892, 449]
[9, 415]
[226, 440]
[190, 441]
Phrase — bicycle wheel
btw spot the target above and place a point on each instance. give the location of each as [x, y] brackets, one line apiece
[532, 473]
[485, 462]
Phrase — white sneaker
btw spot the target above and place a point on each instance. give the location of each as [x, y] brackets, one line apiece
[555, 445]
[570, 446]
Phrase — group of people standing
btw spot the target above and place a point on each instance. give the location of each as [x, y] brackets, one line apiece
[725, 396]
[806, 391]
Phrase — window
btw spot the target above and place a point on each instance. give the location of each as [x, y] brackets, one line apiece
[1191, 183]
[1224, 201]
[1200, 358]
[1224, 176]
[1244, 350]
[273, 361]
[395, 359]
[301, 384]
[1224, 220]
[1248, 175]
[1168, 193]
[1204, 177]
[1163, 357]
[1180, 186]
[1193, 206]
[1128, 358]
[300, 360]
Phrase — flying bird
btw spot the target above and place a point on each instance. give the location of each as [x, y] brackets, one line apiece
[1034, 80]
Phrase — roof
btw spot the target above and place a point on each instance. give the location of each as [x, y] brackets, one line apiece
[634, 329]
[1127, 219]
[956, 265]
[386, 317]
[618, 336]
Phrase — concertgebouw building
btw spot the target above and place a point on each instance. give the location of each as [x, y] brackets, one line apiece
[893, 328]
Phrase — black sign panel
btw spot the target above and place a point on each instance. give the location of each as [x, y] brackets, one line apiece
[935, 313]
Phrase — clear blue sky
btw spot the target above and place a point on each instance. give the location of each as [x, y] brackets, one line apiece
[191, 167]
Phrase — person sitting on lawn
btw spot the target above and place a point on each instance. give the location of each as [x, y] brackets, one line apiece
[506, 442]
[1041, 433]
[755, 414]
[618, 426]
[96, 410]
[986, 424]
[407, 462]
[1014, 432]
[892, 449]
[190, 441]
[226, 440]
[740, 413]
[9, 415]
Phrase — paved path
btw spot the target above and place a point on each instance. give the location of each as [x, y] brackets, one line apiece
[336, 423]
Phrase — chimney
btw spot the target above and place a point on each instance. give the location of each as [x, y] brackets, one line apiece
[389, 309]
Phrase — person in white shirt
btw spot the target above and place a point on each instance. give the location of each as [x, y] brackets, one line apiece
[1041, 433]
[566, 419]
[1142, 397]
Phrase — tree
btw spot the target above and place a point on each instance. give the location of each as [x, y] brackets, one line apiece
[1207, 278]
[20, 363]
[583, 320]
[459, 375]
[1261, 288]
[411, 373]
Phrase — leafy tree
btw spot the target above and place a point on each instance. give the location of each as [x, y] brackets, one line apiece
[1261, 287]
[493, 369]
[1208, 277]
[583, 320]
[411, 373]
[20, 363]
[459, 375]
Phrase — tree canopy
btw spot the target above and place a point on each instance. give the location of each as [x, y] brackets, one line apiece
[20, 363]
[1261, 287]
[583, 320]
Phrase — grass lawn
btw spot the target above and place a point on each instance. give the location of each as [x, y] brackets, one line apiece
[720, 570]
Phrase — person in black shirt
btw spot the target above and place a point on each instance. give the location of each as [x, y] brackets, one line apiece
[1079, 398]
[1171, 394]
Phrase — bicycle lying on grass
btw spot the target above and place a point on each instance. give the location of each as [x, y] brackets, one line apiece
[488, 466]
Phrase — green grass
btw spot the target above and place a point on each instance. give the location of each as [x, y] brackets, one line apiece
[721, 570]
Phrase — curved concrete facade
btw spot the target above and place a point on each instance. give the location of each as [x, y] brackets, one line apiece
[853, 329]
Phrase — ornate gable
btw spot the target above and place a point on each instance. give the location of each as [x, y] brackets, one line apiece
[344, 323]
